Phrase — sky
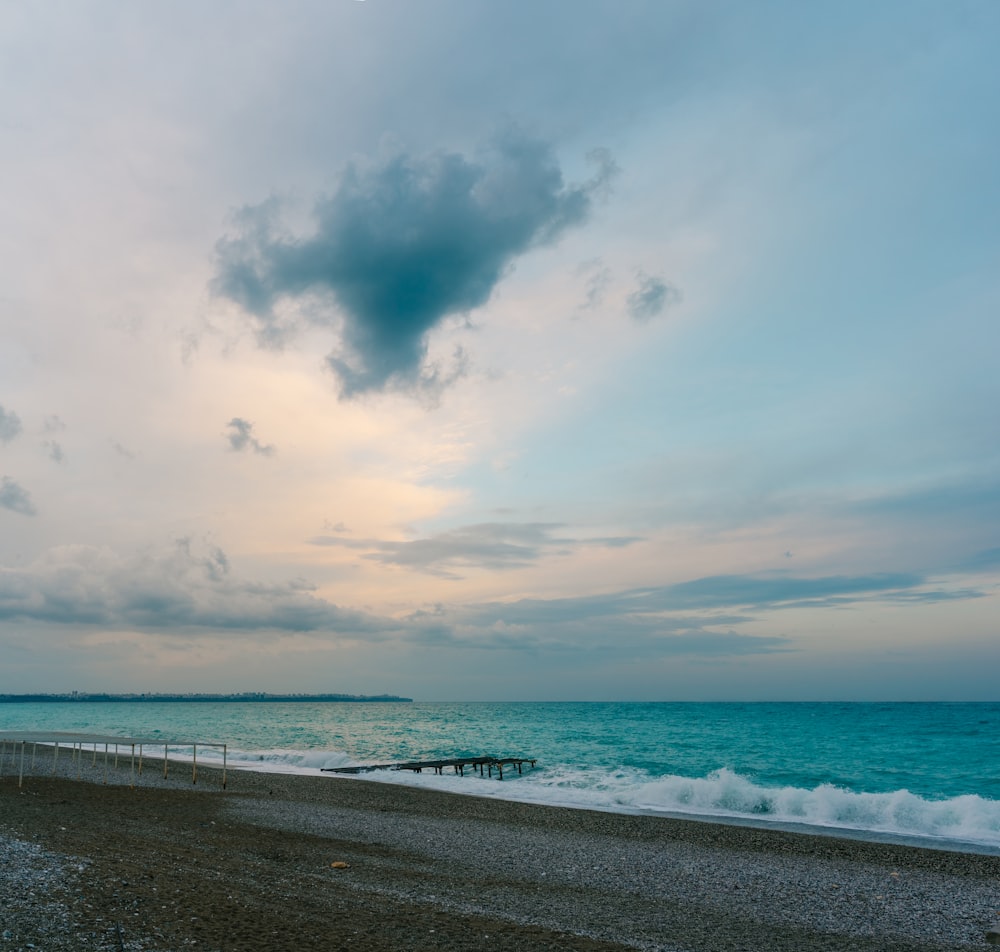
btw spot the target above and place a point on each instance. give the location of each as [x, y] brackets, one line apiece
[562, 350]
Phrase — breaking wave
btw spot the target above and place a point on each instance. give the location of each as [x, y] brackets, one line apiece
[722, 794]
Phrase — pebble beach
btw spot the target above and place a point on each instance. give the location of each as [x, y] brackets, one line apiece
[279, 861]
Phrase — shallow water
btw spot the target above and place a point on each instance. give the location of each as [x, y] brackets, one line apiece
[924, 770]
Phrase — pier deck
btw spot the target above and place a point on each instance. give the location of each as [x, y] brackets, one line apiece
[458, 764]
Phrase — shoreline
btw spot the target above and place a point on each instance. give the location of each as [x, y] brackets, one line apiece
[150, 761]
[170, 864]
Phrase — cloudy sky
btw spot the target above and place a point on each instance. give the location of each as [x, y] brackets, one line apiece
[529, 350]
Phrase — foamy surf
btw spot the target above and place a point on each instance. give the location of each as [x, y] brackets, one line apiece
[722, 794]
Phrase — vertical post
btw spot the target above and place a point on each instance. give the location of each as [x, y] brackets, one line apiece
[93, 763]
[131, 769]
[55, 756]
[194, 763]
[164, 761]
[20, 779]
[105, 764]
[79, 760]
[140, 760]
[116, 756]
[34, 750]
[3, 754]
[223, 766]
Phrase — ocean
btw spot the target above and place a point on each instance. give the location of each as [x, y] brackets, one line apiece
[928, 773]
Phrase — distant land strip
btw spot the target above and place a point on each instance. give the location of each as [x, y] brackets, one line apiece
[247, 696]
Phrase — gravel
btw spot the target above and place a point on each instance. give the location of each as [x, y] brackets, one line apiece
[169, 866]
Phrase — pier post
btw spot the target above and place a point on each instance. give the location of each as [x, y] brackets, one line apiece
[55, 756]
[223, 766]
[194, 763]
[20, 779]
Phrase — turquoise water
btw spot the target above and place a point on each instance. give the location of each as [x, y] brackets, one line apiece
[924, 770]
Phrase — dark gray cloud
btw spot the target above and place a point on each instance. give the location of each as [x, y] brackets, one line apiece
[16, 498]
[10, 425]
[402, 244]
[241, 438]
[184, 587]
[652, 296]
[625, 637]
[488, 545]
[715, 593]
[699, 618]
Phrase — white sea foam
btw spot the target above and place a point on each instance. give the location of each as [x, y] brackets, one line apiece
[269, 761]
[722, 794]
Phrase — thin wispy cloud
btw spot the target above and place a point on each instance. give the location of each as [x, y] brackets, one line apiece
[651, 297]
[241, 438]
[494, 546]
[121, 450]
[16, 498]
[403, 243]
[720, 593]
[10, 425]
[599, 278]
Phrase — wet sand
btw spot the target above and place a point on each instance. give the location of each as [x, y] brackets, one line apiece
[169, 866]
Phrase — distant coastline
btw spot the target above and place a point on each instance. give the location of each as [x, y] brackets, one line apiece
[247, 696]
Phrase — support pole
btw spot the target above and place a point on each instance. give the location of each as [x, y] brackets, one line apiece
[116, 756]
[93, 763]
[3, 754]
[105, 764]
[79, 760]
[20, 779]
[131, 769]
[164, 761]
[140, 760]
[223, 766]
[55, 756]
[194, 763]
[34, 750]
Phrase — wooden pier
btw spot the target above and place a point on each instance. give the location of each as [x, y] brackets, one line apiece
[486, 766]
